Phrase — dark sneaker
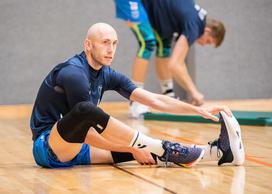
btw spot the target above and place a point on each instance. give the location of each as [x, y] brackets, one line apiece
[181, 155]
[230, 141]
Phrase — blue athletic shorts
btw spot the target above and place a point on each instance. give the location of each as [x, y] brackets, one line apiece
[45, 157]
[146, 39]
[131, 10]
[164, 45]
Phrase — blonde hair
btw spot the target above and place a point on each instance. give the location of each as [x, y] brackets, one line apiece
[217, 30]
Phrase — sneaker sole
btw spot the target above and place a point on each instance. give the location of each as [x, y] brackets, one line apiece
[189, 165]
[235, 139]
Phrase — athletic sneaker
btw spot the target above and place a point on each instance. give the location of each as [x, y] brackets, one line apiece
[230, 141]
[181, 155]
[136, 110]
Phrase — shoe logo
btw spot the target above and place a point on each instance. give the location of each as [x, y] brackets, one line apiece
[141, 146]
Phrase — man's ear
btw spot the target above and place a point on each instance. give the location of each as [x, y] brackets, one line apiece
[207, 29]
[87, 44]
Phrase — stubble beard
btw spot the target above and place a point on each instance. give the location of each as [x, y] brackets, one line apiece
[96, 62]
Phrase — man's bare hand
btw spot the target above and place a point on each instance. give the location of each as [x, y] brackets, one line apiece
[196, 98]
[210, 112]
[143, 157]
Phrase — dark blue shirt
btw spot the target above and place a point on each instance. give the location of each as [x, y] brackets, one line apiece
[72, 82]
[176, 16]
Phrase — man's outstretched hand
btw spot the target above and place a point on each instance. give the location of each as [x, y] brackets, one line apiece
[210, 112]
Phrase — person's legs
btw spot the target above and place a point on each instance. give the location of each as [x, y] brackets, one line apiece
[163, 53]
[161, 68]
[116, 137]
[64, 150]
[145, 37]
[139, 70]
[45, 156]
[165, 77]
[100, 156]
[89, 124]
[146, 40]
[97, 155]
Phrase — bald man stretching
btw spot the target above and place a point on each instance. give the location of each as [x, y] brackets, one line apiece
[66, 120]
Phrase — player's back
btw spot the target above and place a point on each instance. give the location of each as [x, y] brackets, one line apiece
[180, 16]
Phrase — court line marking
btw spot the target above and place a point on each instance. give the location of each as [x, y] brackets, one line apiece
[186, 140]
[253, 159]
[144, 179]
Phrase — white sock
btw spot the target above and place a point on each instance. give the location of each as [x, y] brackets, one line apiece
[142, 141]
[167, 87]
[211, 154]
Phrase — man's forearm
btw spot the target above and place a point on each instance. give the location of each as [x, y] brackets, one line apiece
[178, 67]
[171, 105]
[182, 77]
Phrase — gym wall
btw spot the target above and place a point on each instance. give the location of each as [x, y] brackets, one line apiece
[38, 34]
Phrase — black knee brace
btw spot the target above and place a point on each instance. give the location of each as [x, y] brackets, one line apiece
[74, 126]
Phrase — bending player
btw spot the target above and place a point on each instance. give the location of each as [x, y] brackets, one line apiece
[66, 120]
[136, 18]
[190, 23]
[181, 17]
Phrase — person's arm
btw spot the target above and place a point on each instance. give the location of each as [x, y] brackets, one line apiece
[75, 85]
[120, 83]
[170, 105]
[180, 72]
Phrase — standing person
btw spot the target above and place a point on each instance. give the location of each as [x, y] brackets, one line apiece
[133, 12]
[69, 129]
[189, 22]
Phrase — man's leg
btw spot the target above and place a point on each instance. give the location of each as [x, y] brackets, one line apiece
[165, 77]
[146, 40]
[66, 151]
[115, 136]
[89, 124]
[100, 156]
[139, 69]
[161, 68]
[162, 58]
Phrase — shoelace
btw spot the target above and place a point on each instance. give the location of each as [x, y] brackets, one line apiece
[175, 148]
[215, 143]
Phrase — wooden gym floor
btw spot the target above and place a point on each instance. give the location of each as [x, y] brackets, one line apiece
[20, 174]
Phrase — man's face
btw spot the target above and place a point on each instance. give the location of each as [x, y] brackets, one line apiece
[206, 39]
[103, 47]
